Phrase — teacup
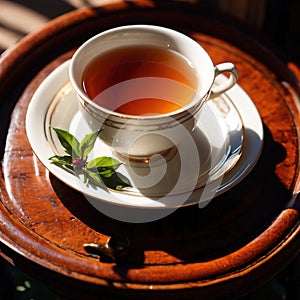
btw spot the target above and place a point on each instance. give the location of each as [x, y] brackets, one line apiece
[143, 86]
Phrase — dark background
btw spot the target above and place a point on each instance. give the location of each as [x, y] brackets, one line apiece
[276, 20]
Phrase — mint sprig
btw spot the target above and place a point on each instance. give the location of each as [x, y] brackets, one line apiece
[98, 171]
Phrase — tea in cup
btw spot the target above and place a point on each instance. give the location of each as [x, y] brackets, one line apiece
[143, 86]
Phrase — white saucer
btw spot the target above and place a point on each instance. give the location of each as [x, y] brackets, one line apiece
[229, 131]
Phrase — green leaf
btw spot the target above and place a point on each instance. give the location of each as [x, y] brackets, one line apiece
[99, 171]
[117, 181]
[69, 142]
[62, 160]
[86, 178]
[105, 166]
[105, 172]
[94, 176]
[104, 162]
[87, 144]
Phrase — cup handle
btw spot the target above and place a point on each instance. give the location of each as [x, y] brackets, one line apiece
[229, 83]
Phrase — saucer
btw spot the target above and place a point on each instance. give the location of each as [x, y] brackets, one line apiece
[227, 142]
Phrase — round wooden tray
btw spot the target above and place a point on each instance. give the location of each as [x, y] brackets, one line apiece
[235, 243]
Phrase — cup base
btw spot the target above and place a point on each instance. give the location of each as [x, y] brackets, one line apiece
[165, 155]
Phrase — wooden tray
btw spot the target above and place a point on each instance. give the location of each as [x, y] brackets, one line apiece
[237, 242]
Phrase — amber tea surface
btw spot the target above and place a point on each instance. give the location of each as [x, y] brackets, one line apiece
[140, 80]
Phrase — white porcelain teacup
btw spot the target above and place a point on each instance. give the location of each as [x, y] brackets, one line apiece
[132, 131]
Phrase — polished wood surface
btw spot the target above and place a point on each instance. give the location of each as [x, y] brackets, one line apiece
[240, 239]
